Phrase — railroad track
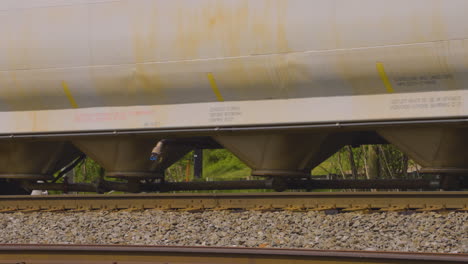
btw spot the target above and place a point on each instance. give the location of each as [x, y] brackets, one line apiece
[41, 254]
[298, 201]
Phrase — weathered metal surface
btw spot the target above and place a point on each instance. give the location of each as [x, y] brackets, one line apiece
[437, 149]
[288, 155]
[39, 254]
[129, 157]
[314, 201]
[130, 65]
[92, 65]
[33, 159]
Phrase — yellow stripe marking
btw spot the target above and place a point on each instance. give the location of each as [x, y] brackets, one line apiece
[214, 86]
[69, 95]
[384, 77]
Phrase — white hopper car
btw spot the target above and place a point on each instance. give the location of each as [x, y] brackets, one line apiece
[280, 83]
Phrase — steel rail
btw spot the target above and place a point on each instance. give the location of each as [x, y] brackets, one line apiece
[348, 201]
[288, 184]
[40, 254]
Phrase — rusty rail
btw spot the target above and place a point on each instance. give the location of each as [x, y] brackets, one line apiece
[348, 201]
[40, 254]
[291, 184]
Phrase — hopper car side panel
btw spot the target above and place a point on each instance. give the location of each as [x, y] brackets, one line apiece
[116, 65]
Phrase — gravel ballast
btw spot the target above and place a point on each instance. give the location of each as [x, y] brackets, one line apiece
[417, 232]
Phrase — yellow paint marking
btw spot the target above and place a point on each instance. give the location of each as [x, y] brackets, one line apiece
[214, 86]
[69, 95]
[384, 77]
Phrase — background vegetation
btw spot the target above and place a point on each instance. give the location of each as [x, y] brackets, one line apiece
[363, 162]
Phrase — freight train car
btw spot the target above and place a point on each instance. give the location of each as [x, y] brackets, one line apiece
[282, 84]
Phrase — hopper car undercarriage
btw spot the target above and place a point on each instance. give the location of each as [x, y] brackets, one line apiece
[281, 157]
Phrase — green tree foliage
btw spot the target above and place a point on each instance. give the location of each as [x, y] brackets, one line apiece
[88, 171]
[370, 161]
[220, 164]
[181, 170]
